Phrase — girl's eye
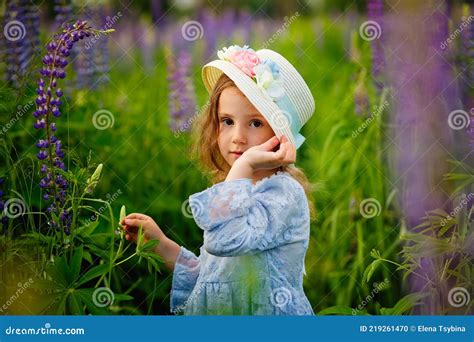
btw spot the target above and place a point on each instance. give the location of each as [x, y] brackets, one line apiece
[227, 121]
[257, 123]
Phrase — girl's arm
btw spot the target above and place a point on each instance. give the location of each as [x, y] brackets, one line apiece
[169, 251]
[239, 219]
[166, 248]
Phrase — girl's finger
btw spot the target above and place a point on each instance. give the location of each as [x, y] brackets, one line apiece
[130, 229]
[133, 222]
[291, 155]
[270, 143]
[281, 153]
[135, 216]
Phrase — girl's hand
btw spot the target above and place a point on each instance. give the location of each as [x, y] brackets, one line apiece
[131, 224]
[263, 157]
[167, 248]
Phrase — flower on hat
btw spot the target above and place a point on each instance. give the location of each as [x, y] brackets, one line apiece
[266, 73]
[244, 58]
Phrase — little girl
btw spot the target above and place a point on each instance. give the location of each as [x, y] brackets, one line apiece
[256, 216]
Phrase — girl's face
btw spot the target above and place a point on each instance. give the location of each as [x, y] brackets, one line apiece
[241, 126]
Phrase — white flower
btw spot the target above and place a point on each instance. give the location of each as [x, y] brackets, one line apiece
[268, 79]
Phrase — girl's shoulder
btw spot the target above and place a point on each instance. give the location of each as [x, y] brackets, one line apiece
[281, 179]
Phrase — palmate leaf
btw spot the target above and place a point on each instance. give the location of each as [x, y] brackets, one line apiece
[75, 304]
[93, 273]
[76, 262]
[87, 295]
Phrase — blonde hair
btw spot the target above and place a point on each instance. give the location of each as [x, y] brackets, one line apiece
[206, 148]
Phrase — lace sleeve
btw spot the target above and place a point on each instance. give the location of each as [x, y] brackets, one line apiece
[185, 274]
[239, 219]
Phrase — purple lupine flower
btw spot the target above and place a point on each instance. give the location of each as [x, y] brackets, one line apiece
[101, 58]
[375, 13]
[419, 103]
[244, 23]
[211, 30]
[21, 30]
[48, 102]
[15, 34]
[467, 60]
[182, 101]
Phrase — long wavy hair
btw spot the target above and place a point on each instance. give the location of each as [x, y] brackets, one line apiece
[206, 149]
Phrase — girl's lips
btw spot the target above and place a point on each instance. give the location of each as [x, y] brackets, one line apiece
[237, 154]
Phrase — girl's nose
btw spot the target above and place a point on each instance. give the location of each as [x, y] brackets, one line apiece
[238, 135]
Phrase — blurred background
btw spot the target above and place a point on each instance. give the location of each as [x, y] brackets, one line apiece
[389, 148]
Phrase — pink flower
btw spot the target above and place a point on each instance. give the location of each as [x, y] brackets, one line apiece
[245, 60]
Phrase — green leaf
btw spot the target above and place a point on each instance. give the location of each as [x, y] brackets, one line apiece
[369, 271]
[93, 273]
[76, 263]
[87, 256]
[47, 284]
[88, 229]
[149, 245]
[75, 303]
[86, 296]
[405, 304]
[59, 271]
[122, 297]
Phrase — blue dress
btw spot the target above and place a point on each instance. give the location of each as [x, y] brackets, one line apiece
[252, 258]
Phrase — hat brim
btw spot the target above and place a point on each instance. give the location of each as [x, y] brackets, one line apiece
[275, 117]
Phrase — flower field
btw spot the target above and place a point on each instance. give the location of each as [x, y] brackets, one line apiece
[97, 106]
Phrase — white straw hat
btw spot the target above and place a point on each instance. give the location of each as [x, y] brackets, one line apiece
[270, 83]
